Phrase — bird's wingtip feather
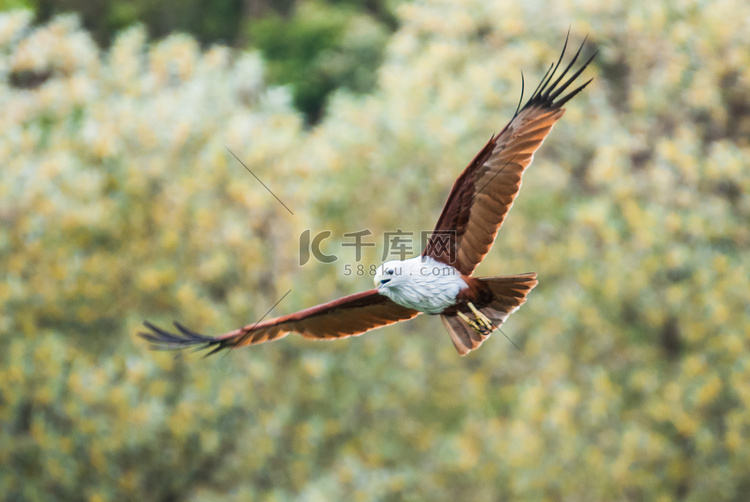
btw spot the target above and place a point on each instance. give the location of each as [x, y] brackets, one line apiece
[161, 339]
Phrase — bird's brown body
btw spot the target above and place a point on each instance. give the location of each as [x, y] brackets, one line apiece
[471, 308]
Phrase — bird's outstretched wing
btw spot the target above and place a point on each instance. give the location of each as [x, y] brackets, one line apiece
[484, 193]
[348, 316]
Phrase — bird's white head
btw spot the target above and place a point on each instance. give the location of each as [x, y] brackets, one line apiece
[419, 283]
[388, 272]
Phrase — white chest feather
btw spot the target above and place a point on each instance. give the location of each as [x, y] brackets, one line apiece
[420, 283]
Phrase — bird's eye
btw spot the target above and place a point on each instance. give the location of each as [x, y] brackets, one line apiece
[389, 271]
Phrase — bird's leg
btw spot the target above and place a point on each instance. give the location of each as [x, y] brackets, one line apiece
[481, 323]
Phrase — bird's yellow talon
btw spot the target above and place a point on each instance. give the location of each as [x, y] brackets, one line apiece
[481, 323]
[481, 318]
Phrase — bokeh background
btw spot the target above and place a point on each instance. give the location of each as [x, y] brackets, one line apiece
[119, 202]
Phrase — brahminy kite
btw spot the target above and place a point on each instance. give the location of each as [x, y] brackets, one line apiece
[440, 280]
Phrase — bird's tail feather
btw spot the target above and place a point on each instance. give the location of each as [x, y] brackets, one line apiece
[501, 296]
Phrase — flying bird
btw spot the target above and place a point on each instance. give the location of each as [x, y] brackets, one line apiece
[440, 280]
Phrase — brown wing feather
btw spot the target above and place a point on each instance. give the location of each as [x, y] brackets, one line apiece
[484, 192]
[348, 316]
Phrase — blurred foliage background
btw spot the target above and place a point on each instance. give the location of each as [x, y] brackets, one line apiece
[313, 46]
[119, 202]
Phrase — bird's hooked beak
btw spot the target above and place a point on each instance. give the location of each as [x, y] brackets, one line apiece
[380, 279]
